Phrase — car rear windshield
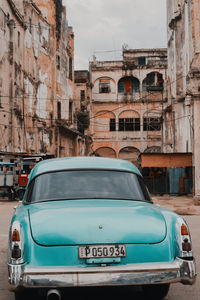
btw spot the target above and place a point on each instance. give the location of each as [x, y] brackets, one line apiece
[87, 184]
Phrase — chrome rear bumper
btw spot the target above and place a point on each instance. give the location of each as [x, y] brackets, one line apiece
[183, 271]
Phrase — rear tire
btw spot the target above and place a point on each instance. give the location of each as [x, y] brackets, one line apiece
[20, 295]
[156, 291]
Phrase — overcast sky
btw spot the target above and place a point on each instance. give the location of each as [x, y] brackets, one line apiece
[101, 26]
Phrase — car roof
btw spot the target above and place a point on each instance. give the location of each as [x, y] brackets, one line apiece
[74, 163]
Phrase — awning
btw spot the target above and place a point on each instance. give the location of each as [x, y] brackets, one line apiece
[168, 160]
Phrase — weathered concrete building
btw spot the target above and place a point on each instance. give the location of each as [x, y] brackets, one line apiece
[182, 119]
[37, 80]
[82, 90]
[82, 108]
[127, 103]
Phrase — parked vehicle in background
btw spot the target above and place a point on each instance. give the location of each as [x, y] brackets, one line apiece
[25, 166]
[14, 176]
[90, 221]
[7, 180]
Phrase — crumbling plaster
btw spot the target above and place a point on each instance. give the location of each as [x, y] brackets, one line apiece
[184, 75]
[28, 87]
[106, 106]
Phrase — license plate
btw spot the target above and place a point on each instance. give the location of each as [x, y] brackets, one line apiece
[96, 251]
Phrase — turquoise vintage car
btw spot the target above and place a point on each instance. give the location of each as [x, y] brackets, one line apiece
[89, 221]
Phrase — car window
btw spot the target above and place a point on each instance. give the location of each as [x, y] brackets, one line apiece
[87, 184]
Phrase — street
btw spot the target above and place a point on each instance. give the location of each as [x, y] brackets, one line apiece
[177, 291]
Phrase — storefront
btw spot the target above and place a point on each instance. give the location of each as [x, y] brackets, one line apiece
[167, 173]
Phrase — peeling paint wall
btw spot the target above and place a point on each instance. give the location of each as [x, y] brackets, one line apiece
[31, 82]
[82, 94]
[41, 98]
[29, 88]
[121, 93]
[184, 81]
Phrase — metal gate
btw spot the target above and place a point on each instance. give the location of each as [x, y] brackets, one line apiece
[157, 186]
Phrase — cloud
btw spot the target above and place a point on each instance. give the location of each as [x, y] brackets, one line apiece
[103, 25]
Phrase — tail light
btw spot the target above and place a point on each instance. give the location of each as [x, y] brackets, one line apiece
[184, 230]
[15, 236]
[16, 242]
[183, 240]
[16, 252]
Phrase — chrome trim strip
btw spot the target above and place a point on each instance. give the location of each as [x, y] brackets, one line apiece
[183, 271]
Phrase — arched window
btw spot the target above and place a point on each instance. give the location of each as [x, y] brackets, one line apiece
[128, 85]
[105, 121]
[152, 121]
[131, 154]
[153, 82]
[129, 121]
[104, 85]
[105, 152]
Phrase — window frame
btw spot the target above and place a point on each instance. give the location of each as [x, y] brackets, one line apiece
[152, 124]
[129, 124]
[29, 190]
[104, 87]
[112, 124]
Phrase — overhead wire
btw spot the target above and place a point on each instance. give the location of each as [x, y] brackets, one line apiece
[67, 99]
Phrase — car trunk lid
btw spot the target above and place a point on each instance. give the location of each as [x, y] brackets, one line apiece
[83, 222]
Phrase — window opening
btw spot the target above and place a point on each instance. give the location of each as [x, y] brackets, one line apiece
[121, 87]
[70, 112]
[152, 124]
[153, 82]
[70, 68]
[129, 85]
[30, 25]
[18, 39]
[39, 29]
[59, 110]
[58, 62]
[82, 95]
[112, 125]
[128, 88]
[104, 86]
[142, 61]
[129, 124]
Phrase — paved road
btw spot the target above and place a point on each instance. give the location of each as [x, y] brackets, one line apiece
[177, 291]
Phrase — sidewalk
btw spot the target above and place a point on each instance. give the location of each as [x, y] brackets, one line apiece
[182, 205]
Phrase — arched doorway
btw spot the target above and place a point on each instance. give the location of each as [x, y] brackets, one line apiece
[131, 154]
[105, 152]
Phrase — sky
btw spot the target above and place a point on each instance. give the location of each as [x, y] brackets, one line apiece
[103, 27]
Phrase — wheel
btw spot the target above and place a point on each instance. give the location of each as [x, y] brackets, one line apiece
[20, 295]
[157, 291]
